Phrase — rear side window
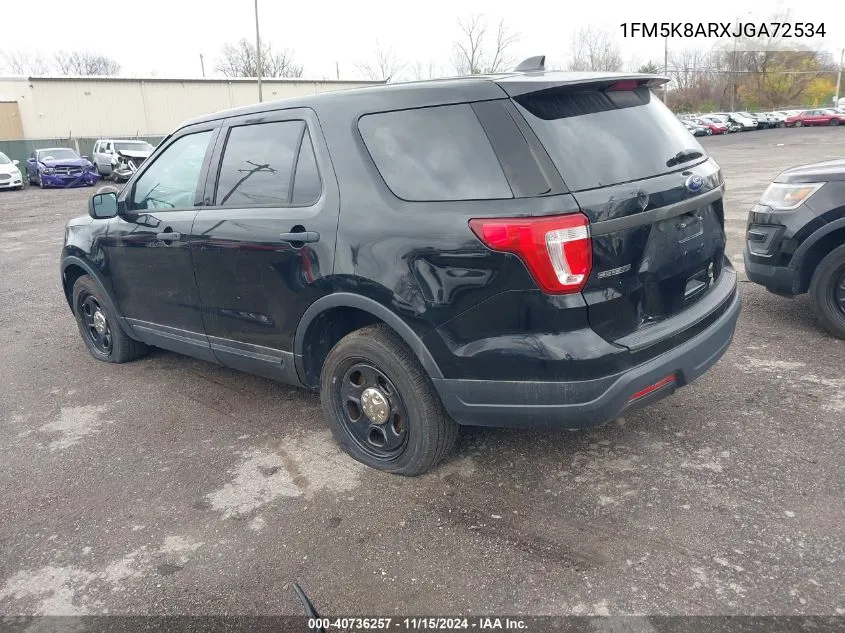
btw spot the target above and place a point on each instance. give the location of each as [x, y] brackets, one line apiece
[431, 154]
[259, 166]
[599, 138]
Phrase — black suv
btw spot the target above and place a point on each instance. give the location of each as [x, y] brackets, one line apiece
[795, 241]
[521, 249]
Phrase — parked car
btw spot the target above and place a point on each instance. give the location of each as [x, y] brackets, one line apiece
[815, 117]
[779, 118]
[747, 121]
[715, 126]
[10, 175]
[732, 125]
[485, 251]
[765, 120]
[59, 167]
[697, 129]
[795, 241]
[119, 159]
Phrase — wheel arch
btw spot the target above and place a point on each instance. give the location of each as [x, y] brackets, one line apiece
[73, 268]
[341, 313]
[815, 249]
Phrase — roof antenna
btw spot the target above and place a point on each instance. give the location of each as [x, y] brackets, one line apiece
[532, 64]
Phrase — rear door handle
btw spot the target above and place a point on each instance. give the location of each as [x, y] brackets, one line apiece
[302, 236]
[169, 236]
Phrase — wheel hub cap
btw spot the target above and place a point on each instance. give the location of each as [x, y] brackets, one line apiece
[375, 406]
[99, 322]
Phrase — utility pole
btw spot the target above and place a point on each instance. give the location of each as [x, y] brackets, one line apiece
[337, 69]
[258, 54]
[838, 79]
[202, 65]
[666, 71]
[733, 68]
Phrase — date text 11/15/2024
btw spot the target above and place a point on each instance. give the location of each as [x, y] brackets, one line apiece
[724, 29]
[417, 624]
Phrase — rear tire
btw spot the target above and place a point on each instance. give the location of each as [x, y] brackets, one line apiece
[103, 336]
[827, 290]
[377, 355]
[799, 124]
[834, 122]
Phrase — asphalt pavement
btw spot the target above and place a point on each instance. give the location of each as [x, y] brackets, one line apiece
[170, 485]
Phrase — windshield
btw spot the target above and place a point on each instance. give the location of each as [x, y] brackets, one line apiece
[58, 153]
[600, 138]
[133, 146]
[4, 160]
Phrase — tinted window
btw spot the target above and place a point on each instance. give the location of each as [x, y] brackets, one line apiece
[599, 138]
[257, 165]
[437, 153]
[171, 181]
[306, 184]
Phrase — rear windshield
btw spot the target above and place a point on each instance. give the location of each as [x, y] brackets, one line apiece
[601, 138]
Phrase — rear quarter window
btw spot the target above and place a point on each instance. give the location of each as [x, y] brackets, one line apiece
[434, 154]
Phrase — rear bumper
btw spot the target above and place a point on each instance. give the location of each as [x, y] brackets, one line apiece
[591, 402]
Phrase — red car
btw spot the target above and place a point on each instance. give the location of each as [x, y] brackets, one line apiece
[715, 126]
[826, 116]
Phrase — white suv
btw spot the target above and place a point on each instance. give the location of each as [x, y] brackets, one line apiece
[120, 158]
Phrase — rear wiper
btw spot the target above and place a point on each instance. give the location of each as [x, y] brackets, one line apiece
[684, 156]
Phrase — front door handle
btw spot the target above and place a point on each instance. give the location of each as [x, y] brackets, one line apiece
[169, 236]
[302, 236]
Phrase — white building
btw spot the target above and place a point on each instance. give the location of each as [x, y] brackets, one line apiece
[74, 107]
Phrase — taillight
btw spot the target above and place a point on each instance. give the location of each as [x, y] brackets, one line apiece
[556, 249]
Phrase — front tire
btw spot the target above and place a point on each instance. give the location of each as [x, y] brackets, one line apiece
[827, 290]
[834, 122]
[381, 405]
[98, 325]
[799, 124]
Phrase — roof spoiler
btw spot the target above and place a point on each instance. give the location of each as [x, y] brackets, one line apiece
[532, 64]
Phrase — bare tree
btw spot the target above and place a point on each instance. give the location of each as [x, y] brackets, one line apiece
[80, 63]
[384, 67]
[19, 63]
[420, 70]
[595, 49]
[240, 60]
[474, 55]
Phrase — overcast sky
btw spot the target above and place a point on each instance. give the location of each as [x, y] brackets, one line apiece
[166, 37]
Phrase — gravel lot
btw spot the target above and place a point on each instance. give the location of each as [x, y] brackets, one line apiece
[170, 485]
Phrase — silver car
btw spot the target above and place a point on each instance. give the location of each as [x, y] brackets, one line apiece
[119, 159]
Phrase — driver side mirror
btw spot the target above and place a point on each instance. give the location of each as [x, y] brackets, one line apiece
[16, 162]
[102, 206]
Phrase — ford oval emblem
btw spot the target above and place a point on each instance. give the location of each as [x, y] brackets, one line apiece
[694, 183]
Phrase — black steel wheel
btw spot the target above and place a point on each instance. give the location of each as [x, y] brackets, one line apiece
[374, 410]
[381, 405]
[827, 290]
[98, 325]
